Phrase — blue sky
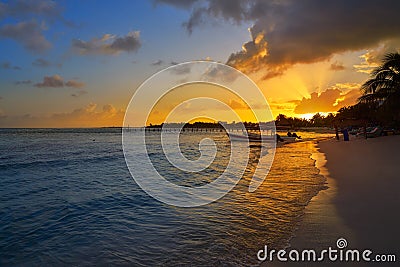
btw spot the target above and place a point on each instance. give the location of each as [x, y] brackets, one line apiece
[71, 58]
[107, 78]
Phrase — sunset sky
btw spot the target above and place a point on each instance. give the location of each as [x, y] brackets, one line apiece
[77, 63]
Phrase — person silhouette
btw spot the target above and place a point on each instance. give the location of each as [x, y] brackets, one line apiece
[295, 135]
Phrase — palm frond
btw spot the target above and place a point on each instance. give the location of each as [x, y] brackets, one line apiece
[391, 62]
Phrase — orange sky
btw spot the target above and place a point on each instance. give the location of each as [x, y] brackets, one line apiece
[63, 68]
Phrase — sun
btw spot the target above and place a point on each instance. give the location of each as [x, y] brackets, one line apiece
[308, 116]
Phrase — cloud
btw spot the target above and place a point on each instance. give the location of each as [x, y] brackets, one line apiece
[285, 33]
[79, 93]
[29, 34]
[7, 65]
[180, 69]
[24, 8]
[51, 81]
[75, 84]
[89, 116]
[40, 62]
[56, 81]
[108, 44]
[177, 3]
[28, 9]
[296, 102]
[27, 31]
[373, 57]
[219, 73]
[349, 98]
[206, 11]
[337, 66]
[283, 107]
[23, 82]
[157, 63]
[196, 18]
[236, 104]
[128, 43]
[312, 31]
[323, 102]
[330, 100]
[347, 86]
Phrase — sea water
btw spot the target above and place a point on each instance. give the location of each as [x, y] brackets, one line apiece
[67, 198]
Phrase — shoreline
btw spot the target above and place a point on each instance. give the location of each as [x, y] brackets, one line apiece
[320, 221]
[321, 225]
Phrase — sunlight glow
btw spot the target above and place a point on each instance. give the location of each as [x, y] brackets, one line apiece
[308, 116]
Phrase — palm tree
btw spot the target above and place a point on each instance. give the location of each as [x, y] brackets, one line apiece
[382, 92]
[385, 84]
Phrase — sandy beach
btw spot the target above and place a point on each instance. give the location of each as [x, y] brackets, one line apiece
[366, 172]
[361, 203]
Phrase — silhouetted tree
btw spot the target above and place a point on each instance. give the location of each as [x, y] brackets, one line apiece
[382, 92]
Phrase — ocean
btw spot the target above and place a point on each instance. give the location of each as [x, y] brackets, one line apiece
[67, 198]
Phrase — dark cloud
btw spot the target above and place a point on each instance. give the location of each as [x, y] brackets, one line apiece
[329, 100]
[157, 63]
[23, 82]
[56, 81]
[312, 31]
[8, 66]
[229, 9]
[108, 44]
[206, 11]
[289, 32]
[29, 34]
[197, 17]
[128, 43]
[337, 66]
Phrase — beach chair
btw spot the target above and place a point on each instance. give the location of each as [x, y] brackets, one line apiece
[375, 132]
